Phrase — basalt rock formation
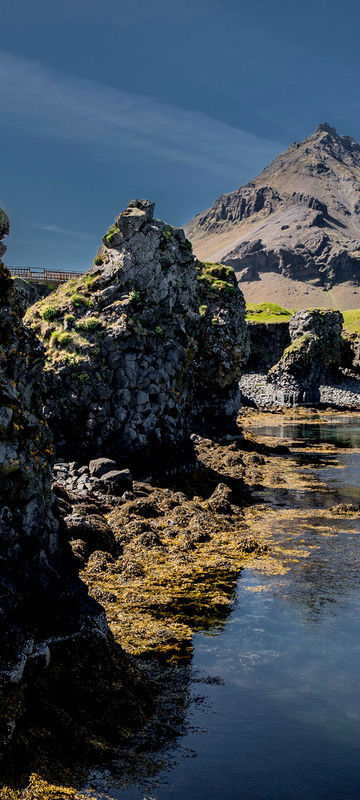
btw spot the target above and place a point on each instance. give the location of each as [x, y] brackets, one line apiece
[315, 351]
[293, 233]
[267, 343]
[142, 344]
[59, 667]
[29, 292]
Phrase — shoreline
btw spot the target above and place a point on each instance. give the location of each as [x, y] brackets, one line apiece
[256, 392]
[189, 580]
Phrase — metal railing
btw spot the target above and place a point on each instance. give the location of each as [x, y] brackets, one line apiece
[42, 274]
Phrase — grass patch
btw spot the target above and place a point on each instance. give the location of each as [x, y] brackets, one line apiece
[298, 344]
[267, 312]
[111, 233]
[135, 297]
[217, 277]
[167, 232]
[88, 324]
[352, 321]
[61, 339]
[49, 313]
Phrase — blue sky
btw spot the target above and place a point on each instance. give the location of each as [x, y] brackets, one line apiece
[104, 101]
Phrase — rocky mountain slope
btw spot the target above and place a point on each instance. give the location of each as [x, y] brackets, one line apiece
[293, 233]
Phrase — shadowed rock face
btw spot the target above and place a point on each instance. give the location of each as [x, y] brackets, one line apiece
[141, 344]
[315, 351]
[267, 343]
[293, 233]
[57, 657]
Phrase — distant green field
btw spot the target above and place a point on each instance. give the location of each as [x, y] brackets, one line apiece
[271, 312]
[267, 312]
[352, 321]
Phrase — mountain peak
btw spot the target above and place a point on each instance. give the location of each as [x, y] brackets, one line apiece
[292, 233]
[324, 127]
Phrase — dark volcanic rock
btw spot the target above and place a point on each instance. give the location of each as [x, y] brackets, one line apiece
[222, 345]
[29, 292]
[314, 352]
[267, 343]
[116, 482]
[293, 232]
[100, 466]
[58, 660]
[143, 344]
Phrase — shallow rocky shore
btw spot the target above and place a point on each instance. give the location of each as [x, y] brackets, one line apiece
[162, 556]
[342, 392]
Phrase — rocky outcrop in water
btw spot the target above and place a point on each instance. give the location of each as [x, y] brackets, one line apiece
[59, 668]
[315, 351]
[139, 345]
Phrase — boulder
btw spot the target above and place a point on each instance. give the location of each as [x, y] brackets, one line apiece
[91, 529]
[99, 466]
[116, 482]
[327, 325]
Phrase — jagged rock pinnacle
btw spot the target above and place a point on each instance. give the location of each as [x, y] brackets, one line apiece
[326, 128]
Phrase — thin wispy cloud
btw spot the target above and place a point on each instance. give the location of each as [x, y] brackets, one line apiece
[65, 231]
[117, 125]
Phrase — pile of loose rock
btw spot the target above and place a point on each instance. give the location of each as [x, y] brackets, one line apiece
[101, 475]
[342, 392]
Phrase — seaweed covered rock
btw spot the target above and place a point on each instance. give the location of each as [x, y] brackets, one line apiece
[137, 345]
[314, 352]
[59, 665]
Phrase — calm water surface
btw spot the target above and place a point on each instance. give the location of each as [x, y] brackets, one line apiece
[283, 721]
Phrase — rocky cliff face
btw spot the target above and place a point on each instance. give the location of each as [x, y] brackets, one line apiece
[293, 233]
[315, 351]
[29, 292]
[222, 345]
[267, 343]
[58, 664]
[138, 345]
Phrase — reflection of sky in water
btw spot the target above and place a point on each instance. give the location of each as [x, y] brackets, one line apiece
[286, 723]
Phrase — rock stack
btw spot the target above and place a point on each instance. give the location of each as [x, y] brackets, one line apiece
[142, 345]
[315, 351]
